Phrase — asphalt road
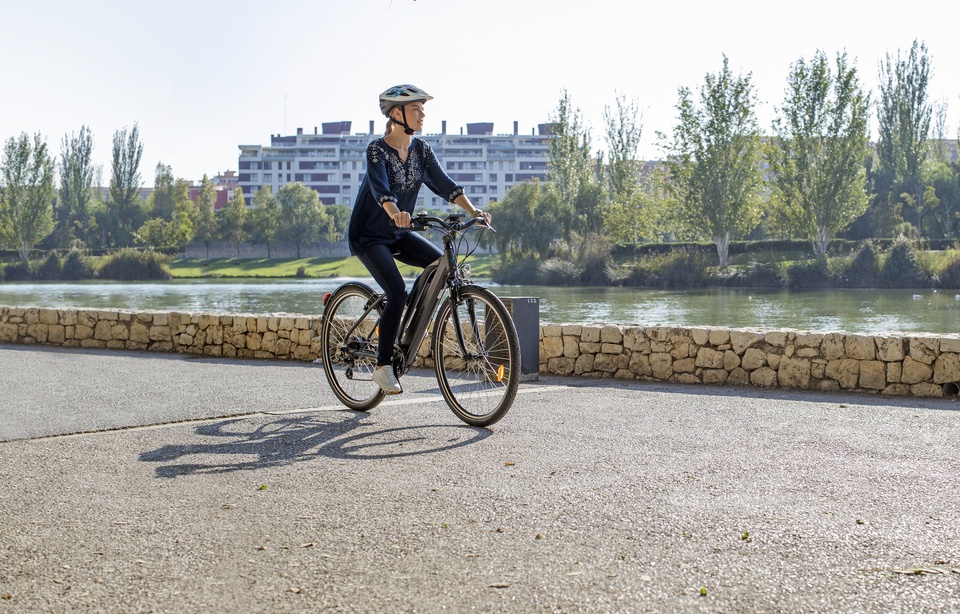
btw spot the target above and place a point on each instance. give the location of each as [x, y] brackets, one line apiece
[159, 483]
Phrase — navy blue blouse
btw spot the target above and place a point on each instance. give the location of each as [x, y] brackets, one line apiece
[389, 178]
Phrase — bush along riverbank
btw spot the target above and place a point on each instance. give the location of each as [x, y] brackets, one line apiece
[123, 265]
[897, 264]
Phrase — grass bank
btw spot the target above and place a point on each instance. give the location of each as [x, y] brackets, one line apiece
[319, 268]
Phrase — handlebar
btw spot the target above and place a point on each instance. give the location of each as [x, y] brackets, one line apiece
[452, 223]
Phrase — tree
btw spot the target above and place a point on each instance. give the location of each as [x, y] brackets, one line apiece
[125, 184]
[265, 218]
[233, 219]
[207, 228]
[571, 171]
[303, 218]
[79, 178]
[341, 221]
[161, 201]
[714, 159]
[183, 221]
[904, 113]
[817, 159]
[529, 222]
[26, 193]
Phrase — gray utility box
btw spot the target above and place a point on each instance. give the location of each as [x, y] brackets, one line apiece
[526, 317]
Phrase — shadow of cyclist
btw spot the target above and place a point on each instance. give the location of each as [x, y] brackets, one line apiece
[231, 445]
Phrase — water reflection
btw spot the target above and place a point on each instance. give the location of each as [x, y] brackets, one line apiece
[851, 310]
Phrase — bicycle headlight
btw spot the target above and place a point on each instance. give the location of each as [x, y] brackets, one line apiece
[465, 270]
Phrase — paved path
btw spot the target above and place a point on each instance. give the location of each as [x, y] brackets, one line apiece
[157, 483]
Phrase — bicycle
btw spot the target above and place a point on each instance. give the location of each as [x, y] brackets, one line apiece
[474, 346]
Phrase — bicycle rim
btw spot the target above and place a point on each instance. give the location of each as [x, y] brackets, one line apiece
[480, 383]
[342, 339]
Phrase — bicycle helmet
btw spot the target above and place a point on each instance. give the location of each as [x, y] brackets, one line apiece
[398, 96]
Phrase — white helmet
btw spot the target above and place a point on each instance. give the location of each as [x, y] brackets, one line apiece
[401, 95]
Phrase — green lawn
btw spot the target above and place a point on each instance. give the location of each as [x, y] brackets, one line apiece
[278, 268]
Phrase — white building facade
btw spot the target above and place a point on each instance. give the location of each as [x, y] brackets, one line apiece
[332, 161]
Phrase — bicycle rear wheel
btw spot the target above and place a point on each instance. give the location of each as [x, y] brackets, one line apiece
[478, 377]
[348, 345]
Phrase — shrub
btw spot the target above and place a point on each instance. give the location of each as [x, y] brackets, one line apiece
[558, 272]
[681, 268]
[903, 270]
[50, 268]
[809, 274]
[753, 275]
[516, 270]
[864, 270]
[17, 271]
[132, 265]
[75, 266]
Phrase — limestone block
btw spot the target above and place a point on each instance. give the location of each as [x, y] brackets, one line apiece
[8, 333]
[738, 377]
[624, 374]
[946, 368]
[915, 371]
[214, 335]
[116, 344]
[950, 343]
[268, 343]
[93, 343]
[561, 365]
[894, 372]
[273, 324]
[48, 316]
[133, 345]
[119, 332]
[753, 359]
[685, 365]
[700, 336]
[68, 317]
[283, 347]
[159, 333]
[709, 359]
[301, 352]
[551, 330]
[776, 338]
[860, 347]
[640, 364]
[773, 361]
[808, 352]
[818, 368]
[890, 349]
[213, 350]
[924, 349]
[764, 376]
[86, 319]
[873, 374]
[660, 347]
[681, 350]
[742, 339]
[38, 331]
[139, 333]
[230, 351]
[686, 378]
[845, 371]
[590, 348]
[897, 390]
[634, 339]
[304, 337]
[584, 364]
[926, 389]
[828, 385]
[161, 319]
[571, 346]
[551, 347]
[719, 337]
[611, 334]
[714, 376]
[260, 326]
[590, 334]
[789, 349]
[794, 372]
[253, 342]
[661, 365]
[285, 323]
[832, 346]
[571, 330]
[611, 348]
[730, 360]
[185, 339]
[809, 340]
[608, 363]
[102, 331]
[56, 334]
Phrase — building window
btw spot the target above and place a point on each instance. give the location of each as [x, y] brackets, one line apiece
[493, 177]
[267, 177]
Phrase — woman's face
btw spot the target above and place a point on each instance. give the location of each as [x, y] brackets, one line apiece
[415, 115]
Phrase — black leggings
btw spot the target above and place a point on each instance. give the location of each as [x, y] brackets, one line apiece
[410, 249]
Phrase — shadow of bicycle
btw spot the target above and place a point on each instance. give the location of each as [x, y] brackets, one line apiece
[244, 444]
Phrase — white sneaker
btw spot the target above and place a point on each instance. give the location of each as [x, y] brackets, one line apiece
[384, 377]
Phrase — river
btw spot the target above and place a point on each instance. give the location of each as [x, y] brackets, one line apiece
[865, 311]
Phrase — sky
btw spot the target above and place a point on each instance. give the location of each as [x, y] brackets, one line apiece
[201, 77]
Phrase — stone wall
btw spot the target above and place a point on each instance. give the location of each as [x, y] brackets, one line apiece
[892, 364]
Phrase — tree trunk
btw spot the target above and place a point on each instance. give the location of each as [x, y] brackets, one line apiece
[821, 242]
[25, 252]
[723, 248]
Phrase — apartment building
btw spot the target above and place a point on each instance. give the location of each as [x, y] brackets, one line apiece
[332, 161]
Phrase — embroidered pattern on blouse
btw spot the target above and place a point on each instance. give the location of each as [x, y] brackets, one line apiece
[456, 192]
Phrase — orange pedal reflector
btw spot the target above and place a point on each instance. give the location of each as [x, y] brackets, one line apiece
[500, 373]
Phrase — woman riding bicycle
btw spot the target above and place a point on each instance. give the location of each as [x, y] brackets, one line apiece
[397, 165]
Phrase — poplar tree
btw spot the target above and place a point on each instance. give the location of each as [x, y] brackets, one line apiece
[817, 159]
[714, 160]
[26, 193]
[207, 229]
[125, 184]
[79, 179]
[233, 220]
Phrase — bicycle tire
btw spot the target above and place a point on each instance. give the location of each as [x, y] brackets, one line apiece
[480, 387]
[350, 374]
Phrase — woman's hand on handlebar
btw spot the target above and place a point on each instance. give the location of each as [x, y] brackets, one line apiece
[482, 215]
[401, 219]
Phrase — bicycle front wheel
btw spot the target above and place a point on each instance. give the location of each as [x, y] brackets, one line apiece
[477, 356]
[348, 345]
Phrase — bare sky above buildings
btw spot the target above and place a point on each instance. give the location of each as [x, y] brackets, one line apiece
[202, 77]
